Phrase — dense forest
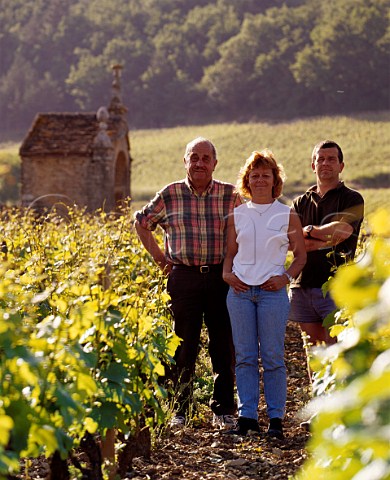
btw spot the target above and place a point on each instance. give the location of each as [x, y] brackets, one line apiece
[192, 61]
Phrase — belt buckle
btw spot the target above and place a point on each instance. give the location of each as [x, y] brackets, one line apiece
[204, 269]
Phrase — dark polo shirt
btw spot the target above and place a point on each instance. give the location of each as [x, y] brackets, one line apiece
[339, 204]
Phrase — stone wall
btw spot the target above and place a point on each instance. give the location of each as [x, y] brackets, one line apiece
[48, 180]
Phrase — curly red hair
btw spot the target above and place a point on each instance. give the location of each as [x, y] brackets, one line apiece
[266, 159]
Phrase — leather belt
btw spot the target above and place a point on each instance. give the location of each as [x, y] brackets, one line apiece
[199, 268]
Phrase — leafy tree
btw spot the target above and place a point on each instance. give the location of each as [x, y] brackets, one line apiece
[35, 78]
[119, 36]
[229, 58]
[346, 60]
[282, 33]
[253, 72]
[204, 29]
[22, 88]
[254, 7]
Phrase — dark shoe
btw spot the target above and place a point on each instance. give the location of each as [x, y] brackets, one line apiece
[243, 426]
[275, 429]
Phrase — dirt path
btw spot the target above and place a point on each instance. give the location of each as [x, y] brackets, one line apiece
[204, 453]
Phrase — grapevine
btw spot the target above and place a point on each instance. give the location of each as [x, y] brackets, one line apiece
[85, 333]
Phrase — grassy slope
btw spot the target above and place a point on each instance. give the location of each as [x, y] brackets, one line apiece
[365, 140]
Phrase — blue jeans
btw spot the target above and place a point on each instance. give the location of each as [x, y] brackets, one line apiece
[258, 320]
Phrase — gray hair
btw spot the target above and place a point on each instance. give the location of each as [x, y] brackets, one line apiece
[197, 140]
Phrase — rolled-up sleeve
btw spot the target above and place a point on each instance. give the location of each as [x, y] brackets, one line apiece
[152, 214]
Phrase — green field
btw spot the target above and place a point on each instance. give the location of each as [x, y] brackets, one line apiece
[157, 154]
[365, 141]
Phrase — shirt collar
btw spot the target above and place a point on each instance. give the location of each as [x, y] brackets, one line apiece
[193, 190]
[313, 188]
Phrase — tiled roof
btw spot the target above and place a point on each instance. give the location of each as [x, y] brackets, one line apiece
[62, 134]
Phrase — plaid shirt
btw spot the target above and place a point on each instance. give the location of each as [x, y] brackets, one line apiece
[194, 225]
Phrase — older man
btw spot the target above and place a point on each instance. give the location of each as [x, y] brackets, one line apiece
[193, 213]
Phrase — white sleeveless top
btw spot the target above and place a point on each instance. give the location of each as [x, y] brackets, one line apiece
[262, 241]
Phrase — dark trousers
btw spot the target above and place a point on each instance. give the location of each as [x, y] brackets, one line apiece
[198, 297]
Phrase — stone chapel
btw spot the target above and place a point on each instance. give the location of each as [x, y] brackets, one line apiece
[78, 158]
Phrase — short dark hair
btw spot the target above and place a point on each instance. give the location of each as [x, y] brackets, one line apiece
[327, 144]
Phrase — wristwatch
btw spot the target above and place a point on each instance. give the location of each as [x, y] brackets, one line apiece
[308, 230]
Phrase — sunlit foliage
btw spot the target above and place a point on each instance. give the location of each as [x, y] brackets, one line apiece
[84, 331]
[351, 432]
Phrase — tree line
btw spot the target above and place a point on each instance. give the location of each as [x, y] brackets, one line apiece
[191, 61]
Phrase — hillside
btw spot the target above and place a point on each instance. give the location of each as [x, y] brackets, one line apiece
[187, 61]
[364, 139]
[157, 154]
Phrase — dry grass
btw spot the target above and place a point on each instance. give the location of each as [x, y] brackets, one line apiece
[365, 140]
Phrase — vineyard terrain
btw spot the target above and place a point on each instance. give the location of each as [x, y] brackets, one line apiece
[201, 452]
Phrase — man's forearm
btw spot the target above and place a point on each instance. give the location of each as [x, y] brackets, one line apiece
[312, 244]
[330, 233]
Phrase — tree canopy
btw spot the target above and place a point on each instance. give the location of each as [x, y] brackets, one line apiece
[188, 61]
